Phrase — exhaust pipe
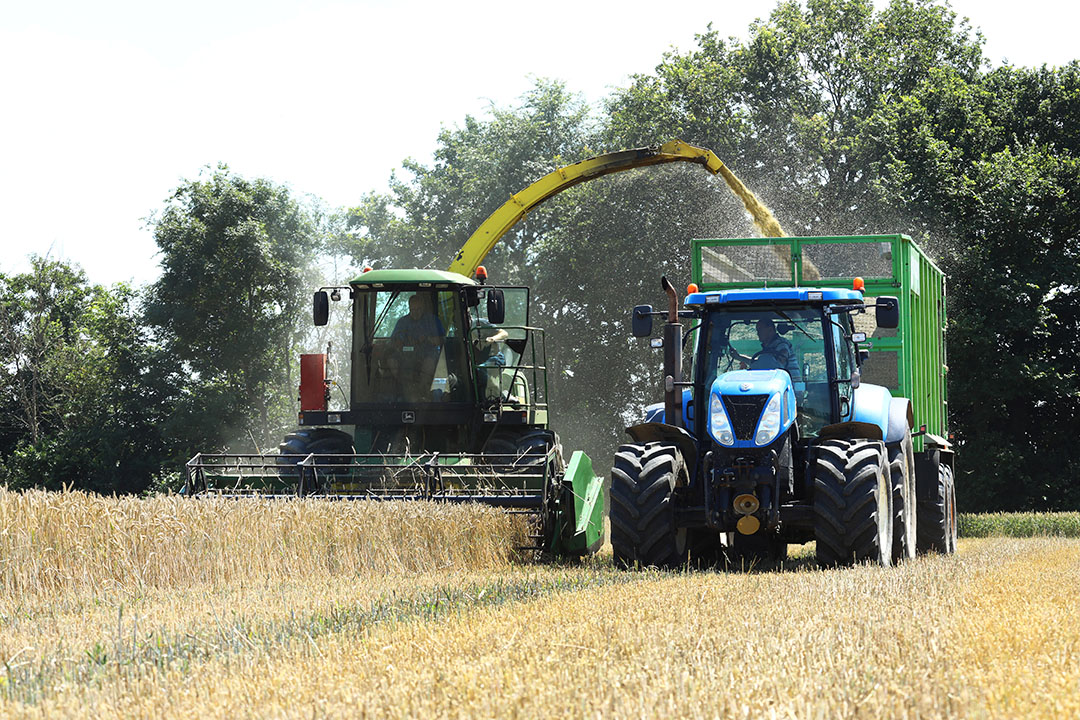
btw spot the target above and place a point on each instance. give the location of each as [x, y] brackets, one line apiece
[672, 358]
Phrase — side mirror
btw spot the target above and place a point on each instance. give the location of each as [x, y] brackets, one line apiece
[321, 309]
[864, 355]
[496, 306]
[641, 321]
[888, 312]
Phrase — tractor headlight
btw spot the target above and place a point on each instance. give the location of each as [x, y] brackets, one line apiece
[719, 425]
[769, 425]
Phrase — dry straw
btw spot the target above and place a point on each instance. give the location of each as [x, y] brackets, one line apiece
[51, 542]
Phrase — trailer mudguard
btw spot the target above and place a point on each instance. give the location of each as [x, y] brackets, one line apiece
[579, 524]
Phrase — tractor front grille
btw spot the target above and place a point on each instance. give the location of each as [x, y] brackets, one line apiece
[744, 412]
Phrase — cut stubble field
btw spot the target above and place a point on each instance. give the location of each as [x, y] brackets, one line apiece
[168, 607]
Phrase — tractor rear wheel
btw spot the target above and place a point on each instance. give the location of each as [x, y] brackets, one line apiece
[937, 511]
[644, 479]
[852, 503]
[902, 477]
[331, 446]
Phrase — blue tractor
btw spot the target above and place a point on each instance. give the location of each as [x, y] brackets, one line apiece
[771, 439]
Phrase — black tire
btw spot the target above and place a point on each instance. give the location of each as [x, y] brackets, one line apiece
[524, 451]
[332, 446]
[852, 503]
[902, 479]
[644, 479]
[937, 510]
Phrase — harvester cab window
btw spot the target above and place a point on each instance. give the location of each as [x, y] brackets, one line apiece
[498, 349]
[409, 347]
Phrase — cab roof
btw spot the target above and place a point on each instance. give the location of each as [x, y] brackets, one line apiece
[782, 294]
[410, 276]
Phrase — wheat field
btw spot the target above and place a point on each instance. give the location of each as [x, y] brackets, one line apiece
[167, 607]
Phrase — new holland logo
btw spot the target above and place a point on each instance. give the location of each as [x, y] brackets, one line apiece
[744, 387]
[408, 416]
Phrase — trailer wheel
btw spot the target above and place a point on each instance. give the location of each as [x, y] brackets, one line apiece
[644, 479]
[902, 477]
[937, 510]
[852, 503]
[332, 446]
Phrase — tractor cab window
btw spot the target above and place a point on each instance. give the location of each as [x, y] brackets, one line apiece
[792, 340]
[845, 360]
[408, 347]
[498, 348]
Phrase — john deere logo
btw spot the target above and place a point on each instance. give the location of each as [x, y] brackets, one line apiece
[408, 416]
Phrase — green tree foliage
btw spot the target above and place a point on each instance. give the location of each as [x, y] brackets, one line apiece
[230, 303]
[80, 405]
[995, 168]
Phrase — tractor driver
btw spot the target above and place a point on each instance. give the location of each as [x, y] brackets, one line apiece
[416, 344]
[776, 352]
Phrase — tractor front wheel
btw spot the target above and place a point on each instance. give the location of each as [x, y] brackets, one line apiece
[852, 503]
[644, 480]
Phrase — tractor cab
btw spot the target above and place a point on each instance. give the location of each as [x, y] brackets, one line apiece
[745, 347]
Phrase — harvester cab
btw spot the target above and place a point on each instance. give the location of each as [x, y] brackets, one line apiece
[774, 437]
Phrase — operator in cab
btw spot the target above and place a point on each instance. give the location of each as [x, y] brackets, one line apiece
[416, 343]
[776, 352]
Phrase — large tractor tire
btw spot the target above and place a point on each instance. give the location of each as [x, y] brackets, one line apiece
[937, 511]
[644, 480]
[331, 446]
[902, 477]
[852, 503]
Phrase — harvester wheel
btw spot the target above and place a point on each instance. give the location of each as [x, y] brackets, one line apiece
[852, 499]
[644, 480]
[937, 511]
[332, 446]
[523, 450]
[902, 477]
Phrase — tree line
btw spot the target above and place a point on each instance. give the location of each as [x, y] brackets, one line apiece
[844, 118]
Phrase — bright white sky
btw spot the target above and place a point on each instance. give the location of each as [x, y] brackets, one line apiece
[106, 106]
